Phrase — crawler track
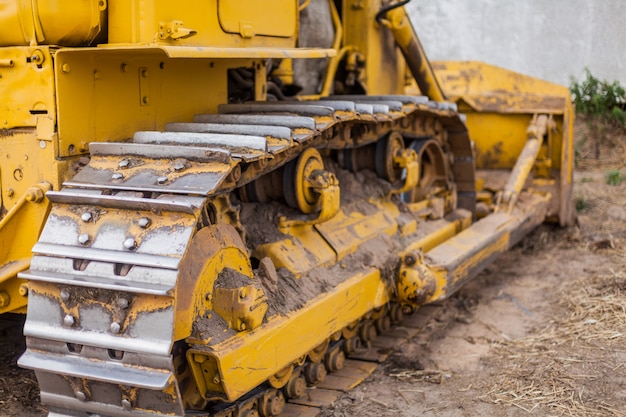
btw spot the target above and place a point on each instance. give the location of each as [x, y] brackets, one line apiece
[127, 276]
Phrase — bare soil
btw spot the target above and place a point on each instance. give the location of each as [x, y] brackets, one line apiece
[542, 331]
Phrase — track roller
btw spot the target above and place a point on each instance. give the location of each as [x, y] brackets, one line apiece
[298, 180]
[315, 373]
[367, 331]
[271, 403]
[335, 358]
[296, 385]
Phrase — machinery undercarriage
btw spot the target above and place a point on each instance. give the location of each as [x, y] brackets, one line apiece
[145, 296]
[206, 241]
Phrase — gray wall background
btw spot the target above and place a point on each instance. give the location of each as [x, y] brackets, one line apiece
[550, 39]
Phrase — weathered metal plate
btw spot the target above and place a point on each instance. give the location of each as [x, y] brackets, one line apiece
[317, 397]
[340, 384]
[352, 367]
[388, 342]
[295, 410]
[372, 354]
[246, 147]
[351, 375]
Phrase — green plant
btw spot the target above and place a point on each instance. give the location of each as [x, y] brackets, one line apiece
[581, 205]
[602, 103]
[615, 177]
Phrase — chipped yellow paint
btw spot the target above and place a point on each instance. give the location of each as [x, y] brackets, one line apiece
[284, 339]
[19, 230]
[213, 249]
[499, 104]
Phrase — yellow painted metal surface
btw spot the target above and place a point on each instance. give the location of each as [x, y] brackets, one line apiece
[250, 18]
[216, 23]
[165, 61]
[108, 95]
[27, 88]
[398, 22]
[19, 230]
[499, 104]
[51, 22]
[285, 338]
[384, 68]
[327, 243]
[214, 249]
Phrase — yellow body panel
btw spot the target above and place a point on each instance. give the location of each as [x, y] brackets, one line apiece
[39, 22]
[285, 339]
[384, 68]
[24, 221]
[245, 24]
[499, 105]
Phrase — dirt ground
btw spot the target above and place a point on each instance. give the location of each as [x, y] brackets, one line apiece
[542, 331]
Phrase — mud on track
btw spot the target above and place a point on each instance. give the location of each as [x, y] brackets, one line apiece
[541, 331]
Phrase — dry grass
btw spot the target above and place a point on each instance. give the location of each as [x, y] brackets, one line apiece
[565, 366]
[612, 146]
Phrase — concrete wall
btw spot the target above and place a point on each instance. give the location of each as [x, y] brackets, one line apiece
[550, 39]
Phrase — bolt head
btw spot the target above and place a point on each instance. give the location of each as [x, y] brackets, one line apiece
[179, 166]
[115, 327]
[162, 180]
[68, 320]
[126, 404]
[130, 243]
[81, 396]
[144, 222]
[117, 176]
[86, 217]
[124, 163]
[34, 195]
[5, 299]
[122, 302]
[23, 290]
[83, 239]
[65, 295]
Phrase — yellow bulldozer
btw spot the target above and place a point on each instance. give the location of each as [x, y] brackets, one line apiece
[204, 209]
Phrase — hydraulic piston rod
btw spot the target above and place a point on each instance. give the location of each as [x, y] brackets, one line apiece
[536, 131]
